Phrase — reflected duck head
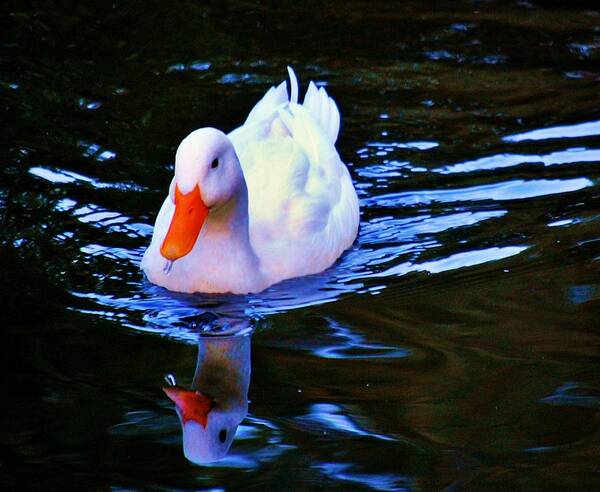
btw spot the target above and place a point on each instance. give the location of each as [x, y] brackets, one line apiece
[208, 429]
[212, 409]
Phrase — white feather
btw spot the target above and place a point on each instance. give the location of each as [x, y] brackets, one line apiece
[324, 109]
[274, 97]
[334, 121]
[311, 100]
[293, 85]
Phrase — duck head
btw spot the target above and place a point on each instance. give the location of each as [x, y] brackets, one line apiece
[208, 176]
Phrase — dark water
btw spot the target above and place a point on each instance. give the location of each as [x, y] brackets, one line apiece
[456, 345]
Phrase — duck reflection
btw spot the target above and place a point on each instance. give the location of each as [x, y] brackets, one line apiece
[217, 402]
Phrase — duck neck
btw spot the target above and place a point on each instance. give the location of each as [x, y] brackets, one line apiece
[228, 225]
[225, 239]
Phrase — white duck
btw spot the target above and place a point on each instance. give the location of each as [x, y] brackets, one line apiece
[270, 201]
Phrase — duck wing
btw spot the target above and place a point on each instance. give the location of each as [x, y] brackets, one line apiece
[303, 209]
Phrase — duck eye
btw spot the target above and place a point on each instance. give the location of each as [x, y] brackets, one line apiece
[222, 435]
[215, 163]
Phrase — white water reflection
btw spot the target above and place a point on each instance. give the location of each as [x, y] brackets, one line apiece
[388, 146]
[112, 252]
[390, 230]
[507, 190]
[332, 418]
[455, 261]
[59, 177]
[63, 176]
[569, 156]
[567, 131]
[560, 223]
[65, 204]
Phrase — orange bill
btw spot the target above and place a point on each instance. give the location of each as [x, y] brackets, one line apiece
[193, 405]
[190, 214]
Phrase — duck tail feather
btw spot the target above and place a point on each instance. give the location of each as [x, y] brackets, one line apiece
[323, 109]
[274, 97]
[293, 85]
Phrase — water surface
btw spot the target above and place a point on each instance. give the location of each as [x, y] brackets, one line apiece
[455, 345]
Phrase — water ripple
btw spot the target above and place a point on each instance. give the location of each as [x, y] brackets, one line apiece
[455, 261]
[377, 481]
[568, 156]
[587, 129]
[351, 345]
[326, 417]
[506, 190]
[196, 66]
[63, 176]
[389, 229]
[572, 394]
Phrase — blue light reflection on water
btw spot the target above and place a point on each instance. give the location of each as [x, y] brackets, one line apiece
[326, 417]
[568, 156]
[572, 394]
[61, 176]
[455, 261]
[345, 472]
[349, 345]
[507, 190]
[587, 129]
